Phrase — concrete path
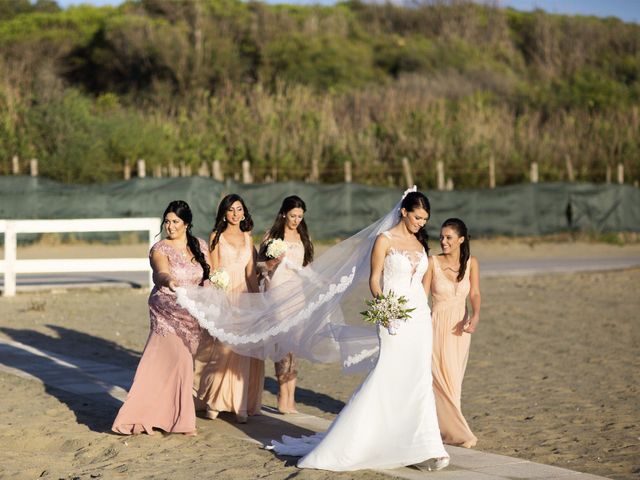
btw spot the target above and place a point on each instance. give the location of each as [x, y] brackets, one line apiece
[101, 382]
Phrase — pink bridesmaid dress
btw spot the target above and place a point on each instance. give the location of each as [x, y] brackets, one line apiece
[161, 394]
[450, 354]
[224, 380]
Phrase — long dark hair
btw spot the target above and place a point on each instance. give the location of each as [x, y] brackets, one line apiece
[465, 249]
[277, 229]
[220, 225]
[415, 200]
[181, 209]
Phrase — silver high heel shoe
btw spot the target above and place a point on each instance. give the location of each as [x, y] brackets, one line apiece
[433, 464]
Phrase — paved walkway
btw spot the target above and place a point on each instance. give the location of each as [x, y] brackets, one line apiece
[108, 383]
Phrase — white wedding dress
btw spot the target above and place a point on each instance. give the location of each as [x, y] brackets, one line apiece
[390, 421]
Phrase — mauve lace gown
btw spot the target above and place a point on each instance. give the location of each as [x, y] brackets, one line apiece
[450, 354]
[161, 395]
[225, 380]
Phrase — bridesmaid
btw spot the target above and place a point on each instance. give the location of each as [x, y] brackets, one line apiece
[224, 380]
[455, 276]
[291, 227]
[161, 394]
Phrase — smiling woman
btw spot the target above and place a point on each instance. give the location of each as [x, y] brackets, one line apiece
[455, 276]
[161, 394]
[224, 380]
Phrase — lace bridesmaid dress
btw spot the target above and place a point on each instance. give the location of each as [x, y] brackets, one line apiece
[450, 354]
[390, 421]
[161, 394]
[224, 380]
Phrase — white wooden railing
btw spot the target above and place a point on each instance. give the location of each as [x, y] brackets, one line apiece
[12, 266]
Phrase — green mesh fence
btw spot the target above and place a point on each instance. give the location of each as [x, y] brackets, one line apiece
[334, 210]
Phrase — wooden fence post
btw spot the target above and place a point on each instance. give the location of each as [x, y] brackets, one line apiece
[33, 167]
[348, 178]
[217, 171]
[534, 172]
[15, 165]
[127, 170]
[440, 174]
[492, 172]
[157, 171]
[570, 173]
[315, 170]
[142, 168]
[203, 171]
[620, 173]
[406, 169]
[608, 174]
[246, 172]
[449, 185]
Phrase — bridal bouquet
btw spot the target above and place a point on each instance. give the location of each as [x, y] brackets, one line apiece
[386, 311]
[220, 279]
[276, 247]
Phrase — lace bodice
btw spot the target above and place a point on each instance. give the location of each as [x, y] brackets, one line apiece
[184, 270]
[166, 316]
[403, 272]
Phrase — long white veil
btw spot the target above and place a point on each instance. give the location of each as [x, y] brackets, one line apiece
[304, 315]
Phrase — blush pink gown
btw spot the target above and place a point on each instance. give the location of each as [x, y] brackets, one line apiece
[450, 354]
[161, 395]
[225, 380]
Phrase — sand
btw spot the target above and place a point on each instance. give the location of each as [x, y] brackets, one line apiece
[552, 378]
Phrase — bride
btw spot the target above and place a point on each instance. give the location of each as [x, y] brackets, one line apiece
[390, 421]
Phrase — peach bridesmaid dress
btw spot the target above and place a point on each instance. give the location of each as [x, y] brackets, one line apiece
[224, 380]
[450, 354]
[161, 395]
[286, 369]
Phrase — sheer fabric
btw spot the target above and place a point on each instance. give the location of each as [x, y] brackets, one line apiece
[303, 315]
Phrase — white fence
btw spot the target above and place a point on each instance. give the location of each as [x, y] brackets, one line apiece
[12, 266]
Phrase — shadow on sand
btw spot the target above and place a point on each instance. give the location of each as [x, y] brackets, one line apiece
[80, 370]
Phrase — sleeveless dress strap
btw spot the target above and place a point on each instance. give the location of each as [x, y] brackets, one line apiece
[386, 234]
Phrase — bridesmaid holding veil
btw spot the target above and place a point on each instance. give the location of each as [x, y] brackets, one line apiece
[224, 380]
[289, 226]
[455, 276]
[161, 394]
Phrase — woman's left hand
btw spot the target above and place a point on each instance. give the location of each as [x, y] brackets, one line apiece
[471, 324]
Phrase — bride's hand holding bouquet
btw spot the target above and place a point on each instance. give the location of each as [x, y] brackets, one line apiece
[387, 311]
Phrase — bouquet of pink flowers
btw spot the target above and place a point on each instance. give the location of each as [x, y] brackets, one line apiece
[386, 311]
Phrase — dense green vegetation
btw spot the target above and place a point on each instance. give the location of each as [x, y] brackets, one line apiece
[293, 88]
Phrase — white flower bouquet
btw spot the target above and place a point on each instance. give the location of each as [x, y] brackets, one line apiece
[386, 311]
[220, 279]
[276, 247]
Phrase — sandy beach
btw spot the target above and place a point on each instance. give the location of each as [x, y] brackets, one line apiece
[553, 378]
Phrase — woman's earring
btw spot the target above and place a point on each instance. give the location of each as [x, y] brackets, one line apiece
[242, 219]
[225, 219]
